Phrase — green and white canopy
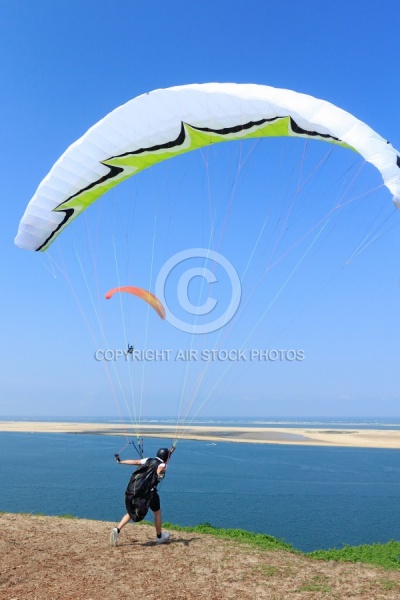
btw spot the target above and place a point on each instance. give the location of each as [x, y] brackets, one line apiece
[165, 123]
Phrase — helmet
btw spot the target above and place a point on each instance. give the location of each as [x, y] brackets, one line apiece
[163, 454]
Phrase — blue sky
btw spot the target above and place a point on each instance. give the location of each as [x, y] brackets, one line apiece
[65, 65]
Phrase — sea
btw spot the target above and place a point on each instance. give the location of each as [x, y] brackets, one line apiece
[311, 497]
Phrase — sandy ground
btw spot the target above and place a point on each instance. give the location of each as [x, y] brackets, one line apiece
[357, 438]
[52, 558]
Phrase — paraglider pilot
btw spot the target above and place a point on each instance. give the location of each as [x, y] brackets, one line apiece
[141, 493]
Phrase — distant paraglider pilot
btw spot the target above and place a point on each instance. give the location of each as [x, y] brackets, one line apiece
[141, 493]
[130, 349]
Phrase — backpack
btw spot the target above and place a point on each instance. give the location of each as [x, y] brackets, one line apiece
[141, 488]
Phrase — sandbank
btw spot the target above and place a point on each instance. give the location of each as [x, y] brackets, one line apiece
[356, 438]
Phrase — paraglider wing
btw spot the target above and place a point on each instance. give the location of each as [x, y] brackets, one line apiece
[165, 123]
[140, 293]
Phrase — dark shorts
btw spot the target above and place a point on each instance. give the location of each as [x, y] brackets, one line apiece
[155, 502]
[137, 509]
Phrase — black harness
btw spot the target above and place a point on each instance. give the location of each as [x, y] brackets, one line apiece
[141, 488]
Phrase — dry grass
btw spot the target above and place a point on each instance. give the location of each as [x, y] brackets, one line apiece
[69, 559]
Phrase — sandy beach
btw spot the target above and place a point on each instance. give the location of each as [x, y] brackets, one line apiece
[356, 438]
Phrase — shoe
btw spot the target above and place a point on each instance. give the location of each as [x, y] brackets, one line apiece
[164, 538]
[114, 536]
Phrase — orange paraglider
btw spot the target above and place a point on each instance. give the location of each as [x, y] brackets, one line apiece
[140, 293]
